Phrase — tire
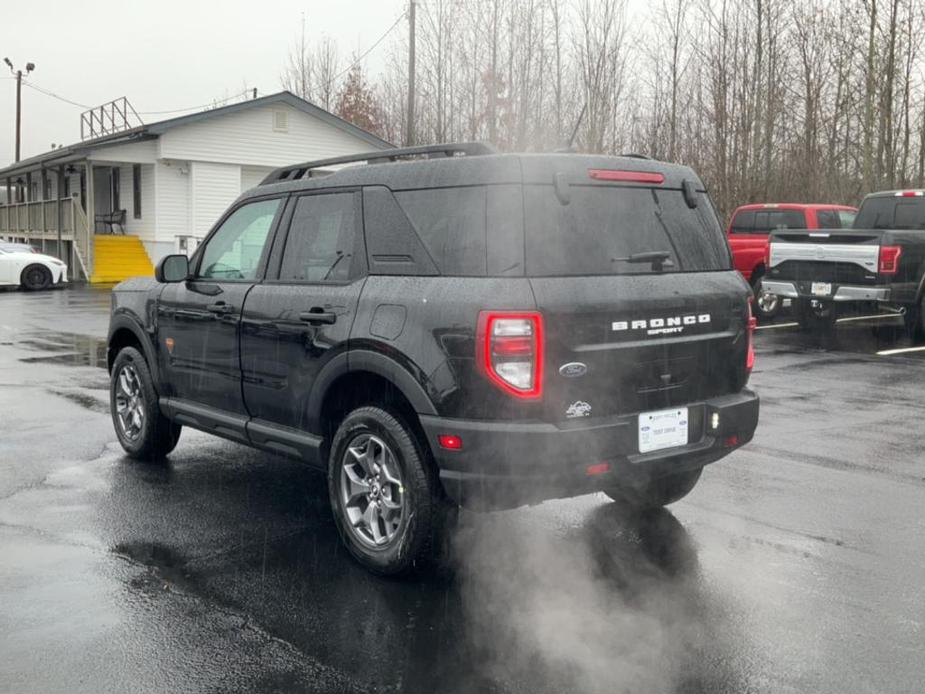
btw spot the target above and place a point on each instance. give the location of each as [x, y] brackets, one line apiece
[143, 431]
[914, 319]
[388, 505]
[35, 278]
[766, 304]
[656, 492]
[815, 318]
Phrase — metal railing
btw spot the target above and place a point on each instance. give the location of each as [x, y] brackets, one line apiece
[39, 220]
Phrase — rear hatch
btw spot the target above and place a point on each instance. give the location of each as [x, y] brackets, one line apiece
[843, 257]
[624, 336]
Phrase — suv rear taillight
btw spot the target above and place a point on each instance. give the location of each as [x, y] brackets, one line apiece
[750, 352]
[889, 259]
[510, 351]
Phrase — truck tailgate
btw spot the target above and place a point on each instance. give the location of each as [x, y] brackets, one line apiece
[843, 257]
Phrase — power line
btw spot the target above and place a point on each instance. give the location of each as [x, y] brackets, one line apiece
[195, 108]
[53, 95]
[211, 104]
[369, 50]
[144, 113]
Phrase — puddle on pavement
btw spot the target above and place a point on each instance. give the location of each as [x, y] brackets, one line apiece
[165, 567]
[86, 401]
[68, 349]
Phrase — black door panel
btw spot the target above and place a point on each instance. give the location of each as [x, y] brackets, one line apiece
[299, 320]
[199, 346]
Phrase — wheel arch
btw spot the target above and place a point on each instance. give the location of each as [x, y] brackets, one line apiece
[366, 378]
[124, 332]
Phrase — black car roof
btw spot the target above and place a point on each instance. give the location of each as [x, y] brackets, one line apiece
[470, 170]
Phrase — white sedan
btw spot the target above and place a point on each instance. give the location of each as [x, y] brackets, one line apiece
[31, 271]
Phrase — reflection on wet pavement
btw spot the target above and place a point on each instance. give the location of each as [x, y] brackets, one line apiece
[68, 349]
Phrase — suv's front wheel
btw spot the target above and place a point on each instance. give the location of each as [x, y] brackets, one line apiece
[386, 499]
[143, 431]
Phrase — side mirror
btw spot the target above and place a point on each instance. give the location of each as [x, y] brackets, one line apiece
[172, 268]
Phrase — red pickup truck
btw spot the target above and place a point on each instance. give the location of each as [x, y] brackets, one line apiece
[748, 237]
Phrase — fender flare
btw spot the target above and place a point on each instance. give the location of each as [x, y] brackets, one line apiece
[123, 321]
[371, 362]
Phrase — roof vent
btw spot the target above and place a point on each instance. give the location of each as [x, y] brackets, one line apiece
[280, 121]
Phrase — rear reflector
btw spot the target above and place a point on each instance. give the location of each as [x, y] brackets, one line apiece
[730, 441]
[889, 259]
[750, 353]
[598, 469]
[626, 176]
[450, 441]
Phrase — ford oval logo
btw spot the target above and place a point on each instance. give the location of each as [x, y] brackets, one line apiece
[573, 369]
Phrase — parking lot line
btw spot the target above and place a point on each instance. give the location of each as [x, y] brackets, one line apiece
[877, 317]
[901, 350]
[778, 325]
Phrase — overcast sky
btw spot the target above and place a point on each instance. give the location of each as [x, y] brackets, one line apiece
[161, 55]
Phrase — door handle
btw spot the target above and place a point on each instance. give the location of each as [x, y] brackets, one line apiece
[220, 308]
[318, 316]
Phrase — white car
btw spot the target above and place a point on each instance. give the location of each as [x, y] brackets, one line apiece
[31, 271]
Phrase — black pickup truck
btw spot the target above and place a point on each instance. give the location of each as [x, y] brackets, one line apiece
[448, 326]
[879, 261]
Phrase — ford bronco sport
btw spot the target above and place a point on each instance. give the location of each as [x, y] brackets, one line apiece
[443, 326]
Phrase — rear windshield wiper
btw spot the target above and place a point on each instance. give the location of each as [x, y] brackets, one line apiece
[658, 259]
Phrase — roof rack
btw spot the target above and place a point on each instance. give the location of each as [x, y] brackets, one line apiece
[383, 156]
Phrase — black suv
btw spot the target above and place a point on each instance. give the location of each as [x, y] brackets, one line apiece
[443, 326]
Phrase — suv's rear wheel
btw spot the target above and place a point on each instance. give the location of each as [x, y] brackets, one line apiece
[658, 491]
[387, 502]
[143, 432]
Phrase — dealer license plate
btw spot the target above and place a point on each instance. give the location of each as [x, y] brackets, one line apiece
[662, 429]
[821, 288]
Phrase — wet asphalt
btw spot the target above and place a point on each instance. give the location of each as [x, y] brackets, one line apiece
[796, 565]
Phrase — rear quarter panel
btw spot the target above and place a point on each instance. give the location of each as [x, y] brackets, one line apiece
[426, 326]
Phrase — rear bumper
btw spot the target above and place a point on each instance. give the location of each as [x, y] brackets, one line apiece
[510, 464]
[844, 292]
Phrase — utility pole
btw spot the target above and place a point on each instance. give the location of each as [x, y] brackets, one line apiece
[29, 68]
[409, 137]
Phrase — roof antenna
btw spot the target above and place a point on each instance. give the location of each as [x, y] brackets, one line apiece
[570, 146]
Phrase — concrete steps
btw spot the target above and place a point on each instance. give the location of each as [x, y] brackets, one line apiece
[116, 258]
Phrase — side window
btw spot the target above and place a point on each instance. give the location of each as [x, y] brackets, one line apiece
[744, 222]
[827, 219]
[846, 217]
[234, 250]
[452, 224]
[322, 239]
[786, 219]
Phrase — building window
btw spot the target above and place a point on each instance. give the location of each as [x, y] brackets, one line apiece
[280, 121]
[136, 191]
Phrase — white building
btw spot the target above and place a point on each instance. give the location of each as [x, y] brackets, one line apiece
[173, 179]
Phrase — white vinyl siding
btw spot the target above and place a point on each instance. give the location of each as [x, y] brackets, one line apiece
[172, 196]
[214, 188]
[130, 152]
[252, 176]
[248, 138]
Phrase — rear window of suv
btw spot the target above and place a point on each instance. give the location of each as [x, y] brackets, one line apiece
[765, 221]
[602, 226]
[891, 213]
